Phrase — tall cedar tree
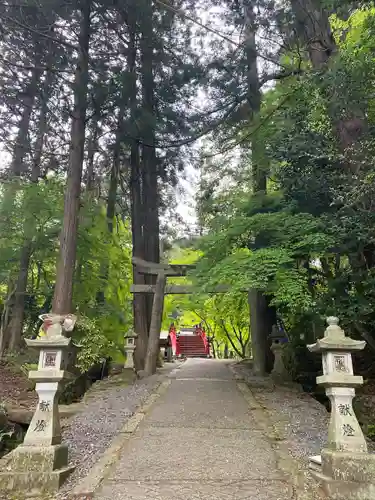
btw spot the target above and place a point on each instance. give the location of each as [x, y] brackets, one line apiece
[63, 294]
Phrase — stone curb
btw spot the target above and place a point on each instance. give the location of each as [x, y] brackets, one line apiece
[286, 464]
[86, 488]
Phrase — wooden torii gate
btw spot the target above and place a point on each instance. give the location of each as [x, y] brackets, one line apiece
[160, 289]
[261, 324]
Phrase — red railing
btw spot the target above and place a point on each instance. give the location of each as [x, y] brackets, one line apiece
[176, 345]
[202, 334]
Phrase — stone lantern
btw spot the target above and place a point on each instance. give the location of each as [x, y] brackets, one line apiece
[130, 339]
[40, 464]
[345, 468]
[279, 340]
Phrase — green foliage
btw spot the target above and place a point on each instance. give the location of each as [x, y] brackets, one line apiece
[371, 432]
[225, 317]
[103, 265]
[309, 243]
[92, 341]
[27, 367]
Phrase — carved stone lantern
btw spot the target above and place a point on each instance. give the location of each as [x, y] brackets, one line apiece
[41, 463]
[130, 339]
[345, 468]
[279, 340]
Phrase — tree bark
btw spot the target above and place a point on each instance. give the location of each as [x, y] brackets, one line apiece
[18, 310]
[314, 30]
[262, 317]
[257, 302]
[149, 161]
[22, 146]
[92, 148]
[62, 300]
[226, 350]
[5, 318]
[139, 299]
[145, 181]
[155, 328]
[140, 315]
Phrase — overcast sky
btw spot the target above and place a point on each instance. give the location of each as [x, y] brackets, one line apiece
[187, 189]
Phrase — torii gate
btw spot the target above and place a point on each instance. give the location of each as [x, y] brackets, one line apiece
[160, 289]
[260, 329]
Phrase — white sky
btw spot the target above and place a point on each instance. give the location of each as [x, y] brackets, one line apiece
[187, 188]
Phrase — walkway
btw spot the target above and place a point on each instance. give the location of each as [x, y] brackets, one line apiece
[199, 441]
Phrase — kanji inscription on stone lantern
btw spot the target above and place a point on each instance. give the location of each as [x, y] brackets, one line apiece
[41, 462]
[345, 468]
[344, 433]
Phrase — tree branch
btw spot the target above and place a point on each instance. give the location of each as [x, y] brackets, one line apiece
[230, 339]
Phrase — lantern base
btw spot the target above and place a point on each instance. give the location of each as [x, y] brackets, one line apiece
[279, 371]
[344, 475]
[34, 470]
[129, 362]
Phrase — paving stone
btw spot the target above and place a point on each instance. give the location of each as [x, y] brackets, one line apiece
[204, 368]
[182, 490]
[202, 403]
[162, 453]
[199, 441]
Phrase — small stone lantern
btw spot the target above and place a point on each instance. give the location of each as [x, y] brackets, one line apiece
[40, 464]
[130, 338]
[345, 468]
[279, 340]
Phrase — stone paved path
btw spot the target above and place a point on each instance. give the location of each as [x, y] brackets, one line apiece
[199, 441]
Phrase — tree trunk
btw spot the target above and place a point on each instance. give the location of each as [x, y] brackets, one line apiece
[11, 330]
[92, 148]
[62, 300]
[213, 348]
[140, 324]
[149, 161]
[155, 328]
[262, 317]
[139, 299]
[5, 318]
[257, 302]
[226, 350]
[22, 146]
[111, 200]
[145, 181]
[314, 30]
[18, 311]
[235, 348]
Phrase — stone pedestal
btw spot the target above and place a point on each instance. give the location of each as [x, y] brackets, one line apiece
[40, 465]
[345, 469]
[169, 354]
[129, 349]
[279, 371]
[279, 340]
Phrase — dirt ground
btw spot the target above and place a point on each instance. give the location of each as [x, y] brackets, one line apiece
[15, 387]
